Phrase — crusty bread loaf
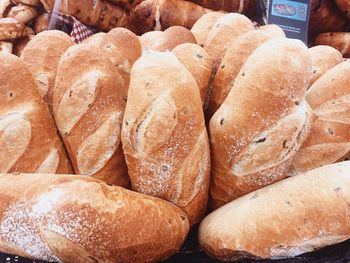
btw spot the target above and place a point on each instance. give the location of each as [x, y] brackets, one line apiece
[127, 4]
[344, 6]
[203, 26]
[41, 55]
[263, 121]
[325, 17]
[123, 49]
[338, 40]
[28, 137]
[224, 32]
[323, 58]
[148, 39]
[247, 7]
[71, 218]
[88, 105]
[297, 215]
[234, 59]
[164, 136]
[22, 13]
[198, 63]
[329, 140]
[152, 15]
[42, 23]
[10, 28]
[6, 47]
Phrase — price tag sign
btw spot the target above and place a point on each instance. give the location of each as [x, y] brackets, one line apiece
[292, 16]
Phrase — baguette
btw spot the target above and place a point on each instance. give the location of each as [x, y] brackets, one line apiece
[338, 40]
[329, 140]
[164, 135]
[158, 15]
[263, 121]
[71, 218]
[28, 137]
[323, 58]
[198, 63]
[224, 32]
[295, 216]
[234, 59]
[203, 25]
[41, 55]
[88, 105]
[23, 13]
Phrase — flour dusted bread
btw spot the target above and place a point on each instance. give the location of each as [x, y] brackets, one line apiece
[297, 215]
[198, 62]
[323, 58]
[152, 15]
[164, 136]
[88, 105]
[28, 137]
[71, 218]
[41, 55]
[338, 40]
[263, 121]
[234, 59]
[329, 140]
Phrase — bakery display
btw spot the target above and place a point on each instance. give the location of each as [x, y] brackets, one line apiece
[196, 106]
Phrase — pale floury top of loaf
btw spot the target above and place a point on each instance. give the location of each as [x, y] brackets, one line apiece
[263, 121]
[164, 136]
[28, 137]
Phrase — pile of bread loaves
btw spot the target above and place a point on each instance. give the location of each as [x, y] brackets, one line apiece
[223, 112]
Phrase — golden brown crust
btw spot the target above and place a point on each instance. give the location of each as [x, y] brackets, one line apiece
[27, 2]
[88, 105]
[297, 215]
[329, 140]
[42, 55]
[42, 23]
[234, 59]
[127, 4]
[338, 40]
[164, 108]
[323, 58]
[262, 122]
[148, 39]
[152, 15]
[247, 7]
[73, 218]
[22, 13]
[28, 135]
[11, 29]
[344, 6]
[198, 63]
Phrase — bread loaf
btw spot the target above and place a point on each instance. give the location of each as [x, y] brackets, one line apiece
[71, 218]
[6, 47]
[224, 32]
[297, 215]
[329, 140]
[247, 7]
[164, 136]
[148, 39]
[11, 29]
[5, 6]
[338, 40]
[41, 55]
[234, 59]
[22, 13]
[203, 26]
[152, 15]
[344, 6]
[127, 4]
[123, 49]
[88, 105]
[198, 63]
[323, 58]
[263, 121]
[28, 137]
[42, 23]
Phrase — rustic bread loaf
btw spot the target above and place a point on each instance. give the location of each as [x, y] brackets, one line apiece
[127, 4]
[71, 218]
[88, 105]
[123, 49]
[41, 55]
[164, 136]
[203, 25]
[297, 215]
[152, 15]
[42, 23]
[6, 47]
[329, 140]
[323, 58]
[235, 57]
[263, 121]
[23, 13]
[149, 38]
[198, 63]
[338, 40]
[28, 137]
[10, 29]
[224, 32]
